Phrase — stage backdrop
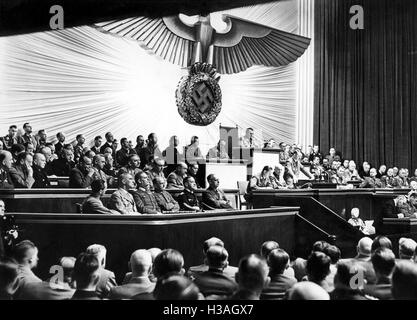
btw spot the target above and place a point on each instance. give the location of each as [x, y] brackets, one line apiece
[80, 80]
[366, 81]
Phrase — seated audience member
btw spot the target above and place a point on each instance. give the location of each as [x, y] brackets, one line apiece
[289, 182]
[334, 254]
[107, 277]
[388, 179]
[192, 172]
[99, 174]
[187, 199]
[121, 200]
[86, 276]
[263, 180]
[278, 261]
[251, 278]
[22, 172]
[381, 171]
[2, 208]
[406, 248]
[342, 282]
[307, 290]
[267, 248]
[175, 287]
[108, 144]
[400, 181]
[163, 198]
[404, 281]
[371, 181]
[39, 172]
[140, 147]
[214, 281]
[63, 166]
[41, 138]
[151, 151]
[412, 204]
[172, 154]
[93, 204]
[97, 144]
[122, 155]
[6, 159]
[331, 156]
[300, 264]
[60, 144]
[26, 255]
[381, 242]
[133, 165]
[157, 170]
[317, 169]
[192, 151]
[16, 150]
[383, 260]
[194, 270]
[144, 198]
[318, 268]
[315, 153]
[138, 283]
[365, 170]
[214, 197]
[393, 208]
[218, 152]
[53, 289]
[11, 138]
[79, 147]
[109, 169]
[8, 279]
[49, 157]
[176, 178]
[82, 175]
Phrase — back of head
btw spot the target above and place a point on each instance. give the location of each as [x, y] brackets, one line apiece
[8, 278]
[99, 251]
[86, 270]
[381, 242]
[346, 269]
[216, 257]
[364, 246]
[404, 281]
[383, 260]
[318, 266]
[168, 261]
[23, 251]
[97, 186]
[213, 241]
[307, 290]
[407, 247]
[154, 252]
[175, 287]
[278, 261]
[252, 274]
[67, 263]
[333, 252]
[267, 247]
[140, 262]
[319, 246]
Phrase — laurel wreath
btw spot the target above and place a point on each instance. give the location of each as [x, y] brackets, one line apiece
[198, 73]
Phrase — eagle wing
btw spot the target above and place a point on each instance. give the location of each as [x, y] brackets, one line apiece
[166, 37]
[248, 44]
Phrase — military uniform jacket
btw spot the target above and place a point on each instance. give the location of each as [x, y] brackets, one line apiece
[189, 198]
[122, 201]
[163, 198]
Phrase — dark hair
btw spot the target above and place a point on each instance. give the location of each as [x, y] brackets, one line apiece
[404, 281]
[130, 157]
[21, 249]
[267, 247]
[85, 267]
[25, 124]
[167, 261]
[320, 245]
[8, 273]
[318, 266]
[78, 136]
[122, 140]
[252, 272]
[41, 131]
[277, 261]
[210, 176]
[186, 179]
[383, 260]
[175, 287]
[98, 137]
[13, 126]
[345, 268]
[217, 256]
[17, 148]
[22, 156]
[97, 186]
[381, 242]
[333, 252]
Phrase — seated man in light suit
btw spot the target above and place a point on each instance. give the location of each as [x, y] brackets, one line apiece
[107, 277]
[121, 200]
[214, 196]
[138, 283]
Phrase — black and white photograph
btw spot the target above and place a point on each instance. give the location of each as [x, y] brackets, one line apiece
[208, 152]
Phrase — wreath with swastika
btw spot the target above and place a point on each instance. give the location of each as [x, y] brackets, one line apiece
[198, 95]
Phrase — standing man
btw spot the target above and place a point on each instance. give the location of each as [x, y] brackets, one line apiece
[122, 156]
[97, 144]
[11, 138]
[39, 172]
[151, 150]
[214, 196]
[61, 142]
[121, 200]
[79, 147]
[27, 137]
[6, 159]
[248, 140]
[172, 154]
[41, 139]
[109, 143]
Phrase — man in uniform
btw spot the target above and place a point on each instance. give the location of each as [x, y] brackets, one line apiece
[187, 199]
[144, 198]
[164, 199]
[121, 200]
[176, 178]
[214, 196]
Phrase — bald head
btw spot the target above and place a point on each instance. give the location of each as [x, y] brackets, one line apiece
[154, 252]
[140, 262]
[253, 274]
[6, 159]
[39, 160]
[307, 290]
[364, 246]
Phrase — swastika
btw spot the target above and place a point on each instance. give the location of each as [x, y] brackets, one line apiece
[202, 97]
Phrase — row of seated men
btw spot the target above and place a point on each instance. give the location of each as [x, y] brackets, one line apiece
[160, 274]
[139, 194]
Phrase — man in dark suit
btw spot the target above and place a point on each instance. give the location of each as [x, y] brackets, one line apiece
[404, 281]
[139, 283]
[107, 278]
[122, 155]
[214, 281]
[187, 199]
[82, 175]
[342, 282]
[97, 144]
[62, 166]
[214, 197]
[383, 260]
[61, 142]
[151, 151]
[39, 172]
[87, 276]
[278, 262]
[27, 137]
[6, 160]
[371, 181]
[22, 172]
[11, 138]
[391, 209]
